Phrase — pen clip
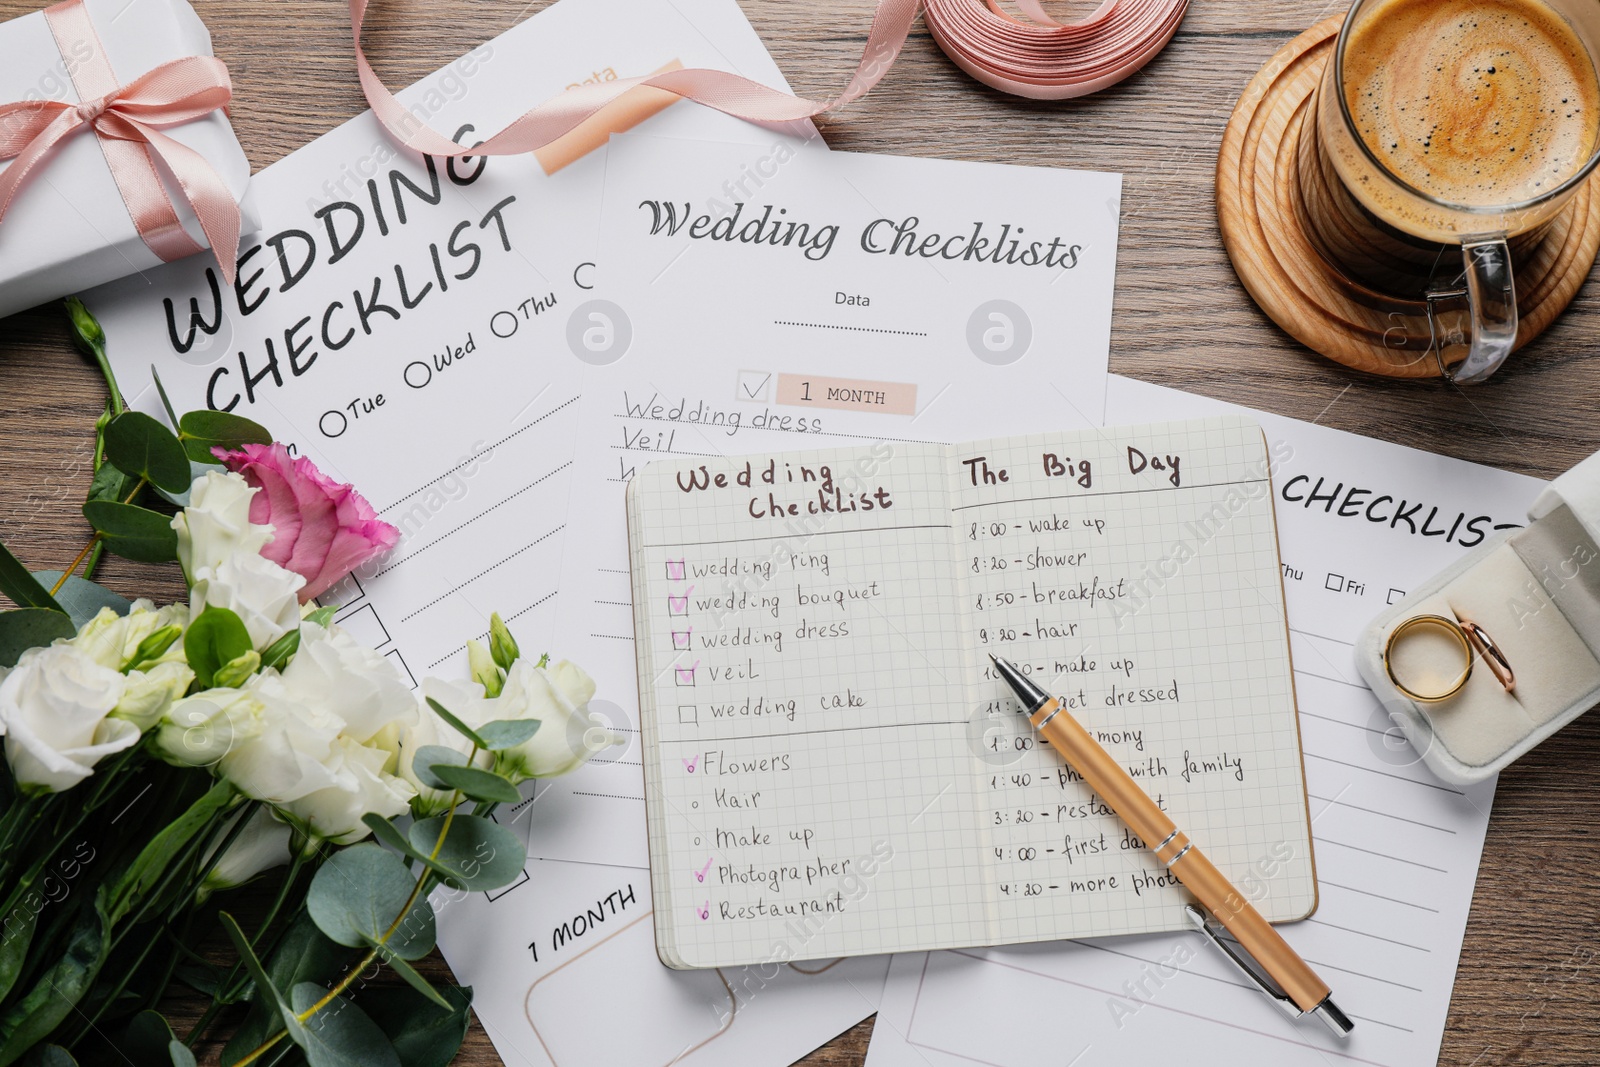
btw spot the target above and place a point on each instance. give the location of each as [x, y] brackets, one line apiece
[1243, 961]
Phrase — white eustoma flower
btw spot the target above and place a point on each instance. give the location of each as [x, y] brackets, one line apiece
[148, 694]
[364, 689]
[361, 785]
[54, 708]
[263, 594]
[199, 730]
[216, 524]
[112, 639]
[558, 696]
[464, 700]
[262, 845]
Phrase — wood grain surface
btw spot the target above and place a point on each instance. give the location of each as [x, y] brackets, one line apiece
[1526, 984]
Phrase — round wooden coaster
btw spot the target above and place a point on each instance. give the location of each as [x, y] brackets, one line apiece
[1257, 187]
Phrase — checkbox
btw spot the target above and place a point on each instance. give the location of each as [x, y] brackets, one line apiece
[685, 675]
[1395, 595]
[678, 605]
[680, 638]
[674, 570]
[753, 385]
[1334, 584]
[688, 714]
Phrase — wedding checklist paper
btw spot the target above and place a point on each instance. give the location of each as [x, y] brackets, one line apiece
[1360, 521]
[404, 322]
[821, 300]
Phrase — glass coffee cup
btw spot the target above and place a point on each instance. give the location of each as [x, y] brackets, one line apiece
[1443, 139]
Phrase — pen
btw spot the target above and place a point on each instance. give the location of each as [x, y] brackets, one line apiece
[1293, 985]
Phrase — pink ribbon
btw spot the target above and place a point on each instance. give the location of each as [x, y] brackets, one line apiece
[127, 120]
[1050, 60]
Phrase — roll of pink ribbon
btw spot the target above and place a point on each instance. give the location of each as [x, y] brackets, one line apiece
[1049, 60]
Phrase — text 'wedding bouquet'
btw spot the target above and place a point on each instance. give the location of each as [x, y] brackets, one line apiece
[158, 758]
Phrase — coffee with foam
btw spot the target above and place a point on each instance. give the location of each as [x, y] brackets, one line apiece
[1482, 103]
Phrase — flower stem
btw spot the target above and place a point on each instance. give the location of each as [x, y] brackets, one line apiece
[61, 581]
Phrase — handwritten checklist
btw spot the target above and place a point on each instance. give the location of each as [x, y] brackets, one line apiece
[858, 771]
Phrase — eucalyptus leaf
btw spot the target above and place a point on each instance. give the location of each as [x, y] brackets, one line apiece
[24, 589]
[477, 783]
[507, 733]
[431, 756]
[480, 853]
[388, 834]
[456, 724]
[422, 1034]
[201, 431]
[340, 1034]
[27, 628]
[215, 638]
[137, 444]
[357, 896]
[303, 954]
[150, 1040]
[48, 1056]
[109, 483]
[196, 470]
[266, 992]
[413, 979]
[133, 532]
[82, 599]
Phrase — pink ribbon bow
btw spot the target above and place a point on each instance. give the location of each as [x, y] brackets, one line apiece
[128, 120]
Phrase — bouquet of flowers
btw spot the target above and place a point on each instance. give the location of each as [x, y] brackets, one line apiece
[156, 758]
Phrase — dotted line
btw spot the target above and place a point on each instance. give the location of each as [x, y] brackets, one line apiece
[612, 637]
[481, 573]
[479, 456]
[857, 329]
[507, 618]
[474, 519]
[611, 796]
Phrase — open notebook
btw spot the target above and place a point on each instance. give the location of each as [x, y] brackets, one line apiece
[832, 767]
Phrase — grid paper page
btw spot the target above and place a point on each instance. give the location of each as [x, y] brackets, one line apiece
[804, 705]
[1133, 572]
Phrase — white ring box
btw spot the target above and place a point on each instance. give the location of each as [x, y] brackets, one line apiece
[1536, 592]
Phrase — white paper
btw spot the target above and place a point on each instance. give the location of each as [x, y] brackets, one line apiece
[705, 336]
[1396, 850]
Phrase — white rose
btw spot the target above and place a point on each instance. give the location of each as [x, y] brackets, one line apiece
[360, 785]
[53, 711]
[364, 689]
[199, 730]
[216, 524]
[568, 735]
[112, 639]
[464, 700]
[262, 845]
[259, 591]
[148, 694]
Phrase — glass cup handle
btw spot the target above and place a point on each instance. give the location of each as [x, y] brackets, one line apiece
[1492, 302]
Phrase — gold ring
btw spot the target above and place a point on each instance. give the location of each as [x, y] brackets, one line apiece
[1498, 665]
[1450, 626]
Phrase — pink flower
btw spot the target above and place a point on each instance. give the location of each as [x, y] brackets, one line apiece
[321, 530]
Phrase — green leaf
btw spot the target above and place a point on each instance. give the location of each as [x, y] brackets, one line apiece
[422, 1035]
[282, 650]
[386, 833]
[477, 783]
[82, 599]
[109, 483]
[356, 898]
[48, 1056]
[22, 587]
[340, 1034]
[150, 1040]
[33, 1016]
[138, 444]
[303, 954]
[460, 727]
[130, 886]
[237, 671]
[196, 470]
[201, 431]
[480, 853]
[507, 733]
[133, 532]
[16, 934]
[321, 616]
[413, 979]
[431, 756]
[27, 628]
[161, 391]
[267, 994]
[214, 639]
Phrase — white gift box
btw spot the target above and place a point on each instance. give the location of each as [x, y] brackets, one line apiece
[68, 228]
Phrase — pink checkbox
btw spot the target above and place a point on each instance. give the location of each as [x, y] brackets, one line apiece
[686, 674]
[680, 638]
[674, 570]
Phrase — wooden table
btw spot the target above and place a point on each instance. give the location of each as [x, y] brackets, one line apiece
[1524, 993]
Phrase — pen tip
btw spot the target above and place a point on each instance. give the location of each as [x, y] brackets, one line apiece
[993, 659]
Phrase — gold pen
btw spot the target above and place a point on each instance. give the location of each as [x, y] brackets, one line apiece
[1288, 980]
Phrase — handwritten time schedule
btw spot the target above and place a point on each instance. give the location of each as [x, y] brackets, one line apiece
[832, 767]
